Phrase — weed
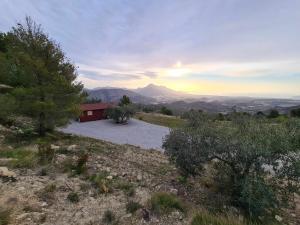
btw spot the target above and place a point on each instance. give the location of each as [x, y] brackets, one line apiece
[205, 218]
[73, 197]
[127, 187]
[132, 207]
[5, 216]
[45, 152]
[21, 158]
[80, 166]
[162, 202]
[109, 217]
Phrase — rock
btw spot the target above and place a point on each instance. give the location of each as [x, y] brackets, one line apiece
[21, 188]
[54, 147]
[174, 191]
[4, 172]
[124, 174]
[114, 174]
[22, 216]
[145, 214]
[278, 218]
[44, 204]
[139, 177]
[71, 147]
[109, 177]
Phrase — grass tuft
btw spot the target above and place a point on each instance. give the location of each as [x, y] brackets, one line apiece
[132, 207]
[162, 203]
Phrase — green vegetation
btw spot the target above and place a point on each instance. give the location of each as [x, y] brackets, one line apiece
[5, 216]
[162, 120]
[164, 110]
[127, 187]
[41, 76]
[295, 112]
[123, 112]
[73, 197]
[162, 202]
[132, 207]
[205, 218]
[21, 158]
[256, 161]
[109, 217]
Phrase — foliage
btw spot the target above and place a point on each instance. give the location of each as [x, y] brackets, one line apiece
[121, 114]
[125, 100]
[162, 202]
[259, 159]
[73, 197]
[92, 100]
[295, 112]
[132, 207]
[164, 110]
[109, 217]
[273, 114]
[204, 218]
[43, 79]
[45, 152]
[80, 166]
[5, 216]
[155, 118]
[21, 158]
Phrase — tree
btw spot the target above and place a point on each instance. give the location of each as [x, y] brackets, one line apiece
[273, 114]
[164, 110]
[43, 78]
[257, 161]
[122, 112]
[125, 100]
[295, 112]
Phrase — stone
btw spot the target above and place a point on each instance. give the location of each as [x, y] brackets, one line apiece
[114, 174]
[174, 191]
[139, 177]
[44, 204]
[71, 147]
[4, 172]
[109, 177]
[54, 147]
[278, 218]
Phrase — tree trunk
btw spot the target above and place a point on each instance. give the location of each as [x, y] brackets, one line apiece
[42, 128]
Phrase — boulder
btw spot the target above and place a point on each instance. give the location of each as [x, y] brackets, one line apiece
[54, 147]
[4, 172]
[71, 147]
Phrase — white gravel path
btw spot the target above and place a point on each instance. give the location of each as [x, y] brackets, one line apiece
[136, 132]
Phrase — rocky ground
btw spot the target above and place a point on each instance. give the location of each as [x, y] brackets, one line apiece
[54, 192]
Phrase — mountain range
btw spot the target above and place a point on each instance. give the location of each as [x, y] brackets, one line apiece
[180, 101]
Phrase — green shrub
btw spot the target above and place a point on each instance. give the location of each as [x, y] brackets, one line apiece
[127, 187]
[204, 218]
[45, 152]
[162, 202]
[5, 216]
[80, 166]
[73, 197]
[109, 217]
[132, 207]
[21, 158]
[164, 110]
[241, 149]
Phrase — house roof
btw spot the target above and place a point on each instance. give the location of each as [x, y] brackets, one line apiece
[94, 106]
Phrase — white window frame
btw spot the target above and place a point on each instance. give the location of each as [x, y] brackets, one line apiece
[89, 113]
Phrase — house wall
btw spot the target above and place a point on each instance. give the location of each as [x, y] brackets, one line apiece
[96, 115]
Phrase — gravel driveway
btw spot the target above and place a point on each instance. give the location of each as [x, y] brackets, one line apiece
[136, 132]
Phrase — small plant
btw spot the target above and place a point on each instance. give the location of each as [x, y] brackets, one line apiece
[45, 152]
[109, 217]
[21, 158]
[100, 182]
[5, 216]
[162, 202]
[73, 197]
[80, 166]
[132, 207]
[204, 218]
[47, 193]
[127, 187]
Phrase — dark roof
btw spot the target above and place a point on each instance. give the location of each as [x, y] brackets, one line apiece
[94, 106]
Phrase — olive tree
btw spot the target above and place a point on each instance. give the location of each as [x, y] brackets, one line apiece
[258, 159]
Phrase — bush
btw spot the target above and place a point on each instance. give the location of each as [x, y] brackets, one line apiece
[21, 158]
[295, 112]
[273, 114]
[5, 216]
[132, 207]
[109, 217]
[259, 160]
[45, 152]
[205, 218]
[121, 114]
[80, 166]
[162, 202]
[73, 197]
[164, 110]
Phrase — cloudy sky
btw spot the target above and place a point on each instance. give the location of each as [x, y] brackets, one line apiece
[222, 47]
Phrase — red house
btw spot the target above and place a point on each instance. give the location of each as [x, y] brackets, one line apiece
[93, 111]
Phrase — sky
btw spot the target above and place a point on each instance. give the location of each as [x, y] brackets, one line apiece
[216, 47]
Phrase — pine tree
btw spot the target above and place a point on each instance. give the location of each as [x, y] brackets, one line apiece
[42, 77]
